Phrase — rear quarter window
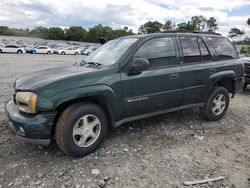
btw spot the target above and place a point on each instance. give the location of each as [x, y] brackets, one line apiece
[223, 48]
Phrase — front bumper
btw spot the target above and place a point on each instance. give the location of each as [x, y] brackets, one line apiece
[247, 79]
[36, 129]
[238, 84]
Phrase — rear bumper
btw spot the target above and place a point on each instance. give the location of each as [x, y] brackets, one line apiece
[36, 129]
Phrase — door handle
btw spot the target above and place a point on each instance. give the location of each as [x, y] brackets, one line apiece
[174, 76]
[212, 70]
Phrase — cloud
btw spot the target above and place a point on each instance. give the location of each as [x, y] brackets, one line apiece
[131, 13]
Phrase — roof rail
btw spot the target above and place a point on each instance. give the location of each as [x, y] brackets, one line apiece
[189, 31]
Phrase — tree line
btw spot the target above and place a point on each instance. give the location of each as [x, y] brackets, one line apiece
[74, 33]
[78, 33]
[197, 23]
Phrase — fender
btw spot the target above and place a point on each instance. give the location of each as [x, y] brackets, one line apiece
[56, 100]
[214, 78]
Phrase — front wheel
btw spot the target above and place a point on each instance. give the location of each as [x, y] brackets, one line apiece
[49, 52]
[19, 52]
[81, 129]
[216, 104]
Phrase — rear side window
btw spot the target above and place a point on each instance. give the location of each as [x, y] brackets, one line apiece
[204, 51]
[159, 51]
[190, 48]
[223, 48]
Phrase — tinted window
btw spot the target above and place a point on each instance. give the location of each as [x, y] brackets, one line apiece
[11, 46]
[159, 51]
[190, 48]
[223, 48]
[204, 51]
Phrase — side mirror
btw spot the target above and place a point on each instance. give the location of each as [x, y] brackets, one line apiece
[137, 66]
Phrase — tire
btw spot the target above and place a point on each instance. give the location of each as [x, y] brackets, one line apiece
[19, 51]
[34, 52]
[88, 53]
[49, 52]
[70, 123]
[76, 53]
[1, 51]
[212, 111]
[62, 53]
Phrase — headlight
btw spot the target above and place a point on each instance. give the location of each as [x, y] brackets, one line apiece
[26, 102]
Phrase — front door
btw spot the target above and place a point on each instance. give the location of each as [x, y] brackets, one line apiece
[158, 88]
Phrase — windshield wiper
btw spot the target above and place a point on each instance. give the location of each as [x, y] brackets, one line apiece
[82, 63]
[97, 65]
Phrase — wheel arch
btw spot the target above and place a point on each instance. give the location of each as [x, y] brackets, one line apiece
[99, 100]
[223, 79]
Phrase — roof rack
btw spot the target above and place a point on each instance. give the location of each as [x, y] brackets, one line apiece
[189, 31]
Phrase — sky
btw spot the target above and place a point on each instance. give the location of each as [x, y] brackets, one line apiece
[120, 13]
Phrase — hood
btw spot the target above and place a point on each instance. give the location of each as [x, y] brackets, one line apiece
[49, 75]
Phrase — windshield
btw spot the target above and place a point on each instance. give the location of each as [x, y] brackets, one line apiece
[110, 52]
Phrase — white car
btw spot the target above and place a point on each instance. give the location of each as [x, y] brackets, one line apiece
[43, 50]
[12, 49]
[69, 51]
[88, 51]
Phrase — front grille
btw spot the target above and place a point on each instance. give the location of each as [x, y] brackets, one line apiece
[247, 69]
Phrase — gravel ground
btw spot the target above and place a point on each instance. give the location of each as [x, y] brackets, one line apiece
[162, 151]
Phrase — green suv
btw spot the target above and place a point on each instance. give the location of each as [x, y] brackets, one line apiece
[126, 79]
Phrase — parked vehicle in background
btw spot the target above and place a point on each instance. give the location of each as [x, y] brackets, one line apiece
[88, 50]
[69, 51]
[12, 49]
[56, 48]
[247, 71]
[126, 79]
[31, 49]
[43, 50]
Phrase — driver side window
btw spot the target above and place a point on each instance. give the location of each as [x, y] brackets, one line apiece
[159, 51]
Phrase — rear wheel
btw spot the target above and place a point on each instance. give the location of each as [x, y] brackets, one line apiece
[216, 104]
[81, 128]
[62, 53]
[49, 52]
[1, 51]
[76, 53]
[19, 51]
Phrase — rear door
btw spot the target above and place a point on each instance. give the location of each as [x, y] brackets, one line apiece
[196, 66]
[158, 88]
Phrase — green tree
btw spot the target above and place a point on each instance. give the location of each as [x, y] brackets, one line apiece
[150, 27]
[185, 26]
[75, 33]
[55, 33]
[212, 26]
[3, 30]
[236, 33]
[99, 31]
[41, 32]
[168, 25]
[198, 23]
